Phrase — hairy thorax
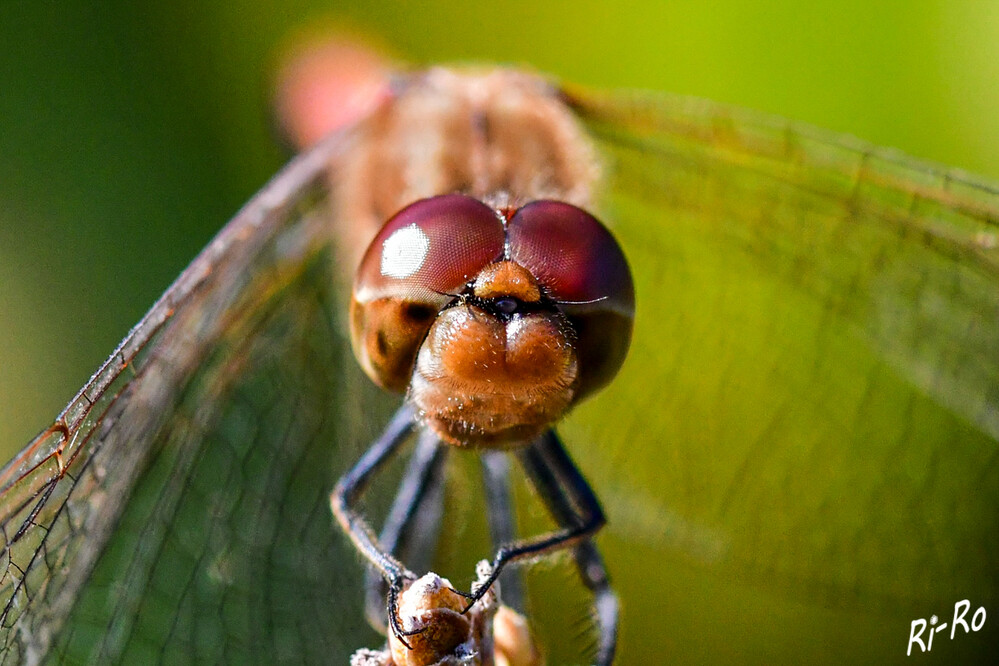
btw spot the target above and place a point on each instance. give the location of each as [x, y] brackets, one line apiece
[501, 136]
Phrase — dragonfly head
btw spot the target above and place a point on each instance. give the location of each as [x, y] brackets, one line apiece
[494, 322]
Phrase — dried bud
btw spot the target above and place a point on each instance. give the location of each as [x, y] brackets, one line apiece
[450, 638]
[513, 643]
[430, 605]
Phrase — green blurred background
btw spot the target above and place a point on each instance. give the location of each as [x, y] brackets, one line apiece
[131, 131]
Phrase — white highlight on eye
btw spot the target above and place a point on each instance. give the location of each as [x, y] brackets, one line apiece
[404, 252]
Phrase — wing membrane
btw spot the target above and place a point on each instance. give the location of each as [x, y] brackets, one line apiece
[810, 405]
[805, 431]
[206, 446]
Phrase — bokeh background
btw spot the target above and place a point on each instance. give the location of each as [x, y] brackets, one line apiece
[131, 131]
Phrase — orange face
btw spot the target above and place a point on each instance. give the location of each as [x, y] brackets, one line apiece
[495, 326]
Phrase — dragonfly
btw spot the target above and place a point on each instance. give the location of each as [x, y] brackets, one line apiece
[796, 461]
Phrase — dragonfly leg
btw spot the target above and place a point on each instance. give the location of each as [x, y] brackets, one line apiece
[348, 491]
[502, 527]
[411, 528]
[577, 511]
[594, 575]
[550, 469]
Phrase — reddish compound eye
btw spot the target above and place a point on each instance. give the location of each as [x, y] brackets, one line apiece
[429, 248]
[572, 254]
[426, 251]
[580, 265]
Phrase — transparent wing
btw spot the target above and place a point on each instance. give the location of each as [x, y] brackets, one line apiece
[803, 451]
[177, 510]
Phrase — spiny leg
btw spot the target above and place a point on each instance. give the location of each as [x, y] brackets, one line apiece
[348, 491]
[411, 528]
[556, 476]
[502, 527]
[550, 467]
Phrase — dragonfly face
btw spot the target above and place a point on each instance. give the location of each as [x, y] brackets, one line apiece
[448, 294]
[805, 431]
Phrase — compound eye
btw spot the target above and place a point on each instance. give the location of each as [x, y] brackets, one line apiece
[430, 249]
[572, 255]
[583, 269]
[425, 253]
